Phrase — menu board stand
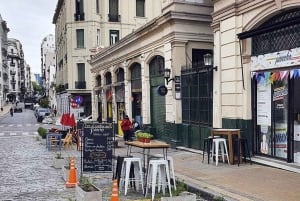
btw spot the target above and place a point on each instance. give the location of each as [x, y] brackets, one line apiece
[98, 147]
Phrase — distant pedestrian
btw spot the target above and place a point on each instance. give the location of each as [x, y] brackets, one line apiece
[55, 111]
[1, 109]
[11, 111]
[135, 125]
[126, 127]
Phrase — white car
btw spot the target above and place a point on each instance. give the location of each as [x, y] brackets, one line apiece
[88, 118]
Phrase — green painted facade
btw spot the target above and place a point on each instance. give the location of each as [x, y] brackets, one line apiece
[191, 136]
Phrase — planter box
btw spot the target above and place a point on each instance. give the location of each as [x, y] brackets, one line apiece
[58, 163]
[186, 196]
[81, 195]
[66, 173]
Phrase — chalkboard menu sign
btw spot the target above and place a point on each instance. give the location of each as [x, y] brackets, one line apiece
[97, 147]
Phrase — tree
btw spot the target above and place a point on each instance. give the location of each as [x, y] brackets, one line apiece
[36, 87]
[44, 103]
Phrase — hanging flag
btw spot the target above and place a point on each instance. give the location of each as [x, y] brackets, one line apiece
[267, 78]
[291, 73]
[284, 74]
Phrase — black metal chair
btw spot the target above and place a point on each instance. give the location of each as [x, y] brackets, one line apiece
[207, 145]
[241, 147]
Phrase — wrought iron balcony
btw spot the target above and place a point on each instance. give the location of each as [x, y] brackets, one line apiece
[114, 17]
[80, 85]
[79, 16]
[13, 72]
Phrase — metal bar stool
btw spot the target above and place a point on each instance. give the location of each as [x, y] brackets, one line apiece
[241, 144]
[207, 145]
[158, 172]
[130, 164]
[216, 148]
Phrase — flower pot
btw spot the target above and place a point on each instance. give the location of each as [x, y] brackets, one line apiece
[147, 140]
[142, 139]
[82, 195]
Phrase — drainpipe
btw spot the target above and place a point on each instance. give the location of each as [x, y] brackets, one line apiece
[242, 68]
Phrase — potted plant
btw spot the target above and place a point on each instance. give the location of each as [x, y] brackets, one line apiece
[86, 191]
[59, 161]
[42, 132]
[144, 137]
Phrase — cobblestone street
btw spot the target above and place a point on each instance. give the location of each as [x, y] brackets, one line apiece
[27, 172]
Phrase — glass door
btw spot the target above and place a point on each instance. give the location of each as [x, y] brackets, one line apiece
[280, 118]
[296, 120]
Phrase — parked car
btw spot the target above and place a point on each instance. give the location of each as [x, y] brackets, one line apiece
[17, 109]
[88, 118]
[41, 113]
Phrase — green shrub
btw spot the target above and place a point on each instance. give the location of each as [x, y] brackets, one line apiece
[42, 132]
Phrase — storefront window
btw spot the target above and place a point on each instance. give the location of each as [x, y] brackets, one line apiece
[272, 98]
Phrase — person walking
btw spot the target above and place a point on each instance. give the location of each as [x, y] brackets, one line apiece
[11, 111]
[135, 125]
[55, 111]
[126, 127]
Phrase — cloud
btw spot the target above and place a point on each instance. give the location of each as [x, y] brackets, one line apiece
[29, 21]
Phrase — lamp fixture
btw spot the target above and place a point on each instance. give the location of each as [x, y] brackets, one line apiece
[167, 75]
[208, 62]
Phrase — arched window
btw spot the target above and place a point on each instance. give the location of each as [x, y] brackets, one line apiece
[108, 78]
[281, 32]
[98, 80]
[120, 75]
[157, 66]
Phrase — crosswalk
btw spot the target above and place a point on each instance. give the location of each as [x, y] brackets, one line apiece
[18, 125]
[17, 133]
[18, 130]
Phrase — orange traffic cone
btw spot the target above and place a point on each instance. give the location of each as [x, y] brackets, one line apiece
[72, 175]
[115, 192]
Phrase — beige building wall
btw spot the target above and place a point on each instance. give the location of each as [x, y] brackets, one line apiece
[232, 87]
[172, 35]
[68, 55]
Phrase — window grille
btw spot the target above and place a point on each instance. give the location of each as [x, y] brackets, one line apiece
[283, 38]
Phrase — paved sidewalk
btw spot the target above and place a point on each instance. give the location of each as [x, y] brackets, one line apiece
[233, 182]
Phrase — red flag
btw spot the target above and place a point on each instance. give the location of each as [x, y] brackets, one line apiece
[72, 121]
[67, 119]
[62, 119]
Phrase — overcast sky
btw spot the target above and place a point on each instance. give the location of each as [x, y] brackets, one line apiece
[29, 21]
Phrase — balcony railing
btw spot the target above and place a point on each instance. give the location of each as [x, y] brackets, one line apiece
[12, 72]
[79, 16]
[80, 85]
[114, 18]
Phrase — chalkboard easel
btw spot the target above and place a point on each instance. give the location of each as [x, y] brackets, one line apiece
[98, 147]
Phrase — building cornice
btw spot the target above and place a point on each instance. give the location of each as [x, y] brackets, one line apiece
[155, 24]
[57, 11]
[237, 9]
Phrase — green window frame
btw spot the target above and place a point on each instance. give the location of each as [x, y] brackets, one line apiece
[140, 8]
[81, 72]
[80, 38]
